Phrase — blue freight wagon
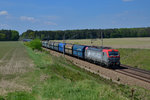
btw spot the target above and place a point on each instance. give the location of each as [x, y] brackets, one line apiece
[78, 51]
[61, 47]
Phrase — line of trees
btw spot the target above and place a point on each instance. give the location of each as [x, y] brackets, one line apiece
[88, 33]
[9, 35]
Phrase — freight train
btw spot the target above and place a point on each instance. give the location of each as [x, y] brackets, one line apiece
[100, 55]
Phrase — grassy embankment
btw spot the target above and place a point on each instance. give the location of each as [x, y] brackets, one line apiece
[55, 78]
[134, 51]
[139, 58]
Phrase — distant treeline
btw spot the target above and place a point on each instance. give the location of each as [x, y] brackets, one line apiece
[9, 35]
[88, 33]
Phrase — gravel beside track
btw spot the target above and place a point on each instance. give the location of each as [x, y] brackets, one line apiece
[116, 75]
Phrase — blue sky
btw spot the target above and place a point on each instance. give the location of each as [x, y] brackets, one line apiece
[73, 14]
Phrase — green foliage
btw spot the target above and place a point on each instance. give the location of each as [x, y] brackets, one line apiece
[88, 33]
[2, 98]
[2, 36]
[9, 35]
[19, 96]
[14, 35]
[34, 44]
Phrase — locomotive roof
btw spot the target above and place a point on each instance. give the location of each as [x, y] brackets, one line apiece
[102, 49]
[95, 49]
[110, 50]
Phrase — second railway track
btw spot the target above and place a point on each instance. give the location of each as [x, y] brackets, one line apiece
[134, 72]
[139, 76]
[136, 69]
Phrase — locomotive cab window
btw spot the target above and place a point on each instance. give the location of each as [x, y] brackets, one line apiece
[113, 53]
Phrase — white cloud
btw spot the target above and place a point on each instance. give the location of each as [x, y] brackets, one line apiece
[37, 20]
[127, 0]
[49, 23]
[4, 25]
[25, 18]
[3, 13]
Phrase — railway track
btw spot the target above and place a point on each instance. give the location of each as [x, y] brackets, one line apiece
[136, 69]
[140, 74]
[135, 74]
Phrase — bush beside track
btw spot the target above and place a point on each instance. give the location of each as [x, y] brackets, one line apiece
[34, 44]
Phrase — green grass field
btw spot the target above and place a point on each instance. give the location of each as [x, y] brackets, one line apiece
[55, 78]
[139, 58]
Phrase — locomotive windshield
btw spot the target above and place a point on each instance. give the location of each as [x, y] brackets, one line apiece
[113, 53]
